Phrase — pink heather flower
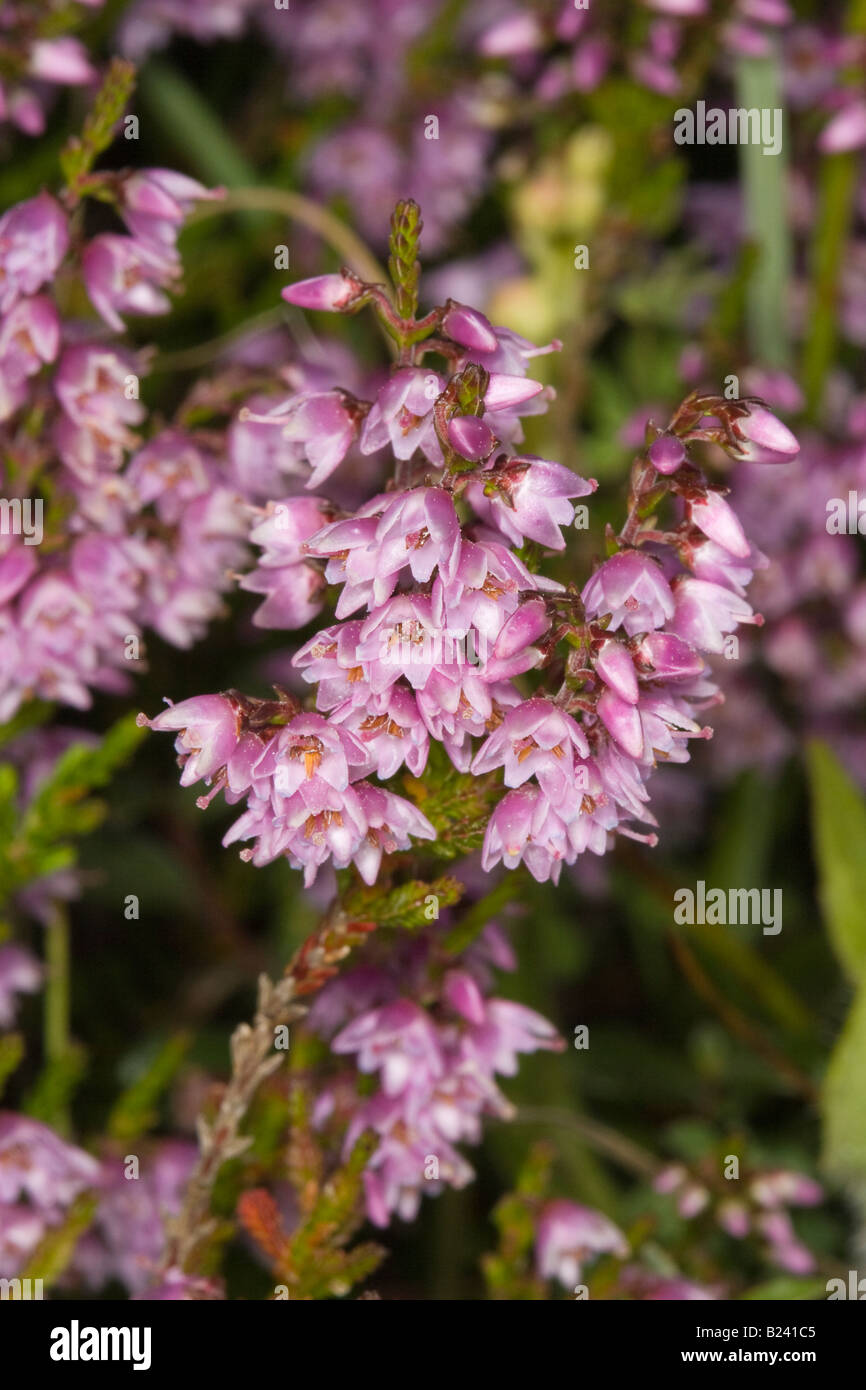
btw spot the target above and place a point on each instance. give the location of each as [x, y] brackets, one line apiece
[516, 33]
[294, 588]
[782, 1188]
[505, 392]
[568, 1235]
[323, 425]
[20, 973]
[127, 1238]
[616, 668]
[401, 417]
[21, 1230]
[63, 61]
[469, 328]
[764, 439]
[692, 1200]
[526, 828]
[398, 1040]
[632, 588]
[177, 1287]
[646, 1286]
[156, 202]
[537, 740]
[514, 651]
[436, 1066]
[507, 1029]
[715, 563]
[98, 411]
[622, 721]
[486, 588]
[666, 724]
[704, 612]
[783, 1246]
[207, 727]
[329, 292]
[357, 826]
[712, 515]
[471, 437]
[846, 130]
[418, 528]
[37, 1164]
[457, 704]
[29, 337]
[391, 729]
[528, 498]
[312, 756]
[669, 1178]
[17, 566]
[733, 1217]
[34, 238]
[122, 275]
[330, 661]
[666, 657]
[402, 639]
[460, 991]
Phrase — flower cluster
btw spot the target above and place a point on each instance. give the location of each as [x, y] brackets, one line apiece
[570, 1236]
[100, 537]
[127, 1237]
[40, 1176]
[761, 1213]
[563, 48]
[37, 59]
[451, 614]
[435, 1043]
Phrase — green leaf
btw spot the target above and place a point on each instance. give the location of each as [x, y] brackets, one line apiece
[786, 1290]
[839, 833]
[11, 1053]
[135, 1112]
[55, 1250]
[80, 154]
[49, 1099]
[407, 906]
[39, 840]
[843, 1104]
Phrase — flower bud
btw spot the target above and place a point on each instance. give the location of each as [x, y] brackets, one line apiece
[471, 437]
[329, 292]
[622, 722]
[469, 328]
[505, 392]
[616, 669]
[766, 439]
[530, 621]
[667, 453]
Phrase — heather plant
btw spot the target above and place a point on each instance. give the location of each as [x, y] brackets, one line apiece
[432, 578]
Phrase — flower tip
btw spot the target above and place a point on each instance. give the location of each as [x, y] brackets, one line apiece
[327, 292]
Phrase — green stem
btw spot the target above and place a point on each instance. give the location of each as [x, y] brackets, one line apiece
[764, 179]
[56, 1002]
[836, 200]
[835, 212]
[602, 1138]
[310, 214]
[180, 109]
